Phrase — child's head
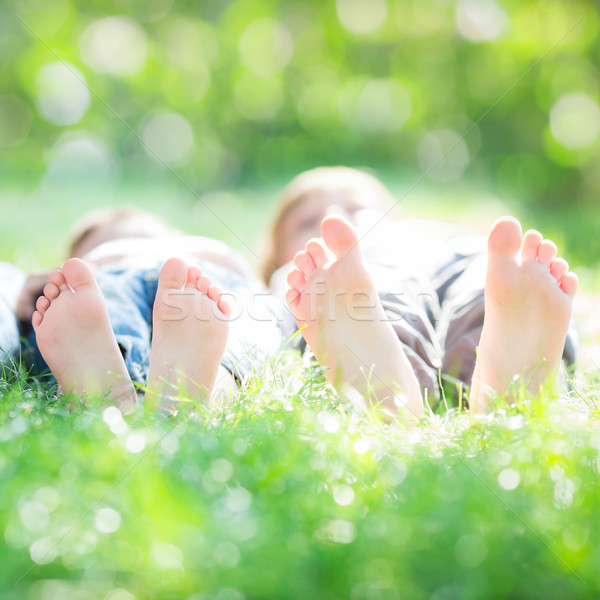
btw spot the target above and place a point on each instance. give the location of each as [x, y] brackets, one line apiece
[109, 224]
[309, 198]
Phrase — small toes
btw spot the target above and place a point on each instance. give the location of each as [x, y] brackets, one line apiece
[193, 274]
[558, 268]
[36, 319]
[203, 284]
[214, 293]
[51, 291]
[304, 262]
[296, 279]
[59, 280]
[568, 284]
[292, 297]
[531, 242]
[317, 252]
[546, 252]
[42, 304]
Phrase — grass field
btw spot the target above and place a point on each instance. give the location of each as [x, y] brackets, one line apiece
[291, 492]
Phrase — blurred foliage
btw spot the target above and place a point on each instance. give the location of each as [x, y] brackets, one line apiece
[289, 493]
[221, 90]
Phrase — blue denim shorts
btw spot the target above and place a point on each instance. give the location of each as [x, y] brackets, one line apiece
[254, 331]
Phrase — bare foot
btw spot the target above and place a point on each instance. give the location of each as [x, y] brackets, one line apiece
[76, 339]
[336, 305]
[528, 299]
[190, 332]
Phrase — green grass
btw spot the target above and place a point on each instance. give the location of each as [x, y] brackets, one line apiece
[292, 492]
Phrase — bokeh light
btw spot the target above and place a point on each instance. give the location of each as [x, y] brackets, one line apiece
[114, 45]
[168, 138]
[63, 96]
[361, 16]
[575, 121]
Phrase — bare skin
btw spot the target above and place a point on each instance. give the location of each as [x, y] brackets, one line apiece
[528, 300]
[190, 330]
[76, 339]
[336, 306]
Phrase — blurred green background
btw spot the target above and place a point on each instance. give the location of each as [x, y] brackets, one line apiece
[202, 111]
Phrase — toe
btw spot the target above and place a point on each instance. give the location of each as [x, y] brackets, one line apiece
[42, 304]
[568, 284]
[193, 274]
[173, 274]
[531, 242]
[51, 291]
[58, 279]
[318, 253]
[546, 252]
[292, 297]
[214, 293]
[558, 268]
[303, 261]
[204, 284]
[339, 236]
[505, 237]
[78, 275]
[36, 319]
[296, 279]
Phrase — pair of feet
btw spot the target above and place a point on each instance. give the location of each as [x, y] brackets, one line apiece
[528, 301]
[76, 339]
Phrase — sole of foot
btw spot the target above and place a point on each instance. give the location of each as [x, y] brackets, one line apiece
[190, 330]
[75, 337]
[334, 301]
[528, 302]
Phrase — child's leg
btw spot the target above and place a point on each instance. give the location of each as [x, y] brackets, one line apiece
[336, 305]
[75, 337]
[528, 300]
[190, 332]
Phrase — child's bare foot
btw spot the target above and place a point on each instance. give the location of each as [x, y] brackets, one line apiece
[335, 303]
[190, 332]
[528, 298]
[76, 339]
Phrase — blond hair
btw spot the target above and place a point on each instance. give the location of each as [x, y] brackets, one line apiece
[326, 183]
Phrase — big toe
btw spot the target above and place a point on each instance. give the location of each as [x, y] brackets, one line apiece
[505, 237]
[77, 274]
[173, 274]
[339, 236]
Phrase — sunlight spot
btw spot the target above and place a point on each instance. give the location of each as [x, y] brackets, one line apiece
[107, 520]
[556, 472]
[564, 491]
[338, 531]
[62, 93]
[167, 556]
[49, 497]
[43, 551]
[329, 420]
[515, 422]
[509, 479]
[114, 419]
[170, 443]
[135, 443]
[481, 20]
[238, 500]
[221, 470]
[361, 16]
[227, 555]
[168, 138]
[575, 121]
[34, 515]
[470, 551]
[114, 45]
[361, 445]
[343, 495]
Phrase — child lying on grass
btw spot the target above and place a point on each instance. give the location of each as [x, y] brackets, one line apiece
[115, 316]
[385, 312]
